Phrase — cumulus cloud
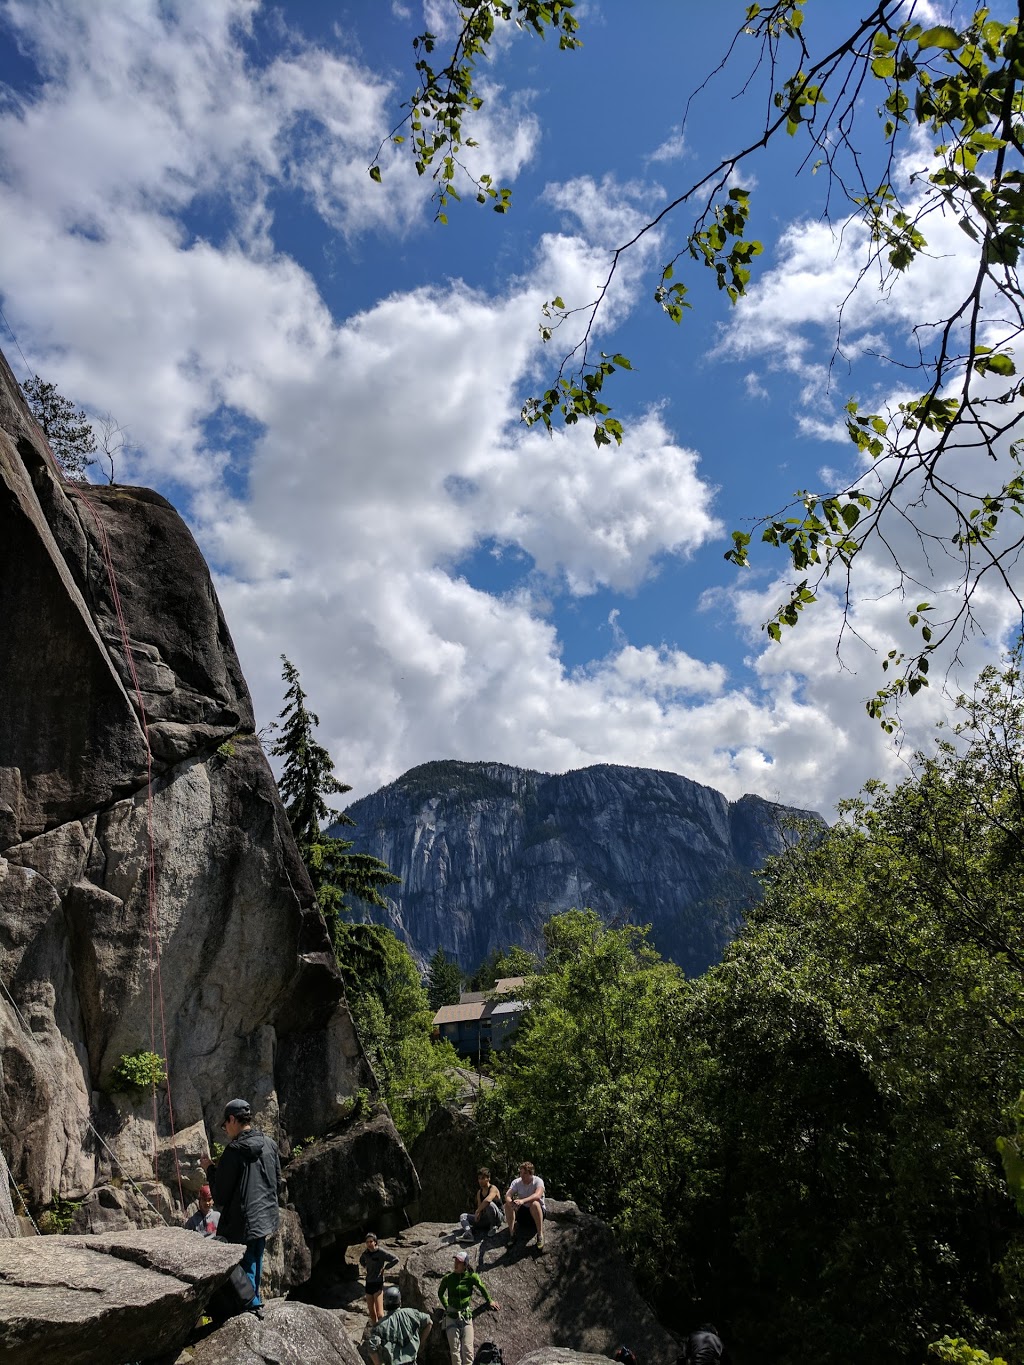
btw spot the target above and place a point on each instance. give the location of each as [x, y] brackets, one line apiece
[382, 447]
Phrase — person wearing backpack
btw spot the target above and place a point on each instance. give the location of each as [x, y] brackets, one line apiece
[398, 1336]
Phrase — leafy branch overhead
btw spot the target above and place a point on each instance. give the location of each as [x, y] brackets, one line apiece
[447, 94]
[862, 105]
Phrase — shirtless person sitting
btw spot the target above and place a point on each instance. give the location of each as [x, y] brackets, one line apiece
[487, 1213]
[526, 1193]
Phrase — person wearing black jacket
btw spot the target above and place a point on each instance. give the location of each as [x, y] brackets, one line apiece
[703, 1347]
[245, 1185]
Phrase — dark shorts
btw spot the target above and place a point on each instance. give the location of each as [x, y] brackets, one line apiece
[374, 1286]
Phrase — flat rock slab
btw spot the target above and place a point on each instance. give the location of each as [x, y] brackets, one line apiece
[105, 1300]
[561, 1355]
[290, 1334]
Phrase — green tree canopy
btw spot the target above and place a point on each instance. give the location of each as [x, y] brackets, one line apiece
[805, 1143]
[501, 963]
[895, 87]
[307, 780]
[393, 1019]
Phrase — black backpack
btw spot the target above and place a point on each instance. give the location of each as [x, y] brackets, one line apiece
[487, 1353]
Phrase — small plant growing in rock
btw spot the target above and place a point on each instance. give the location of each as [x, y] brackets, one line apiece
[138, 1071]
[57, 1219]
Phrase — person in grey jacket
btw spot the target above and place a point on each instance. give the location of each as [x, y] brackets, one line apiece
[245, 1185]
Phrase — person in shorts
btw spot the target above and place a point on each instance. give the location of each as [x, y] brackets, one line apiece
[526, 1192]
[375, 1260]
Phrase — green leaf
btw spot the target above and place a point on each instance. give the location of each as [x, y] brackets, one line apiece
[375, 173]
[942, 36]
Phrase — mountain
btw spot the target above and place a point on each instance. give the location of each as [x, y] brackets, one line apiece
[488, 852]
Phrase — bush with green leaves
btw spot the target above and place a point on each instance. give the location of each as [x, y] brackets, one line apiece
[139, 1071]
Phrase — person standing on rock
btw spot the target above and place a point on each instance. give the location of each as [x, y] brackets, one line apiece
[204, 1220]
[455, 1295]
[245, 1184]
[375, 1260]
[400, 1334]
[526, 1193]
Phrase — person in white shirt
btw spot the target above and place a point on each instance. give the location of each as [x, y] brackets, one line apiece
[526, 1193]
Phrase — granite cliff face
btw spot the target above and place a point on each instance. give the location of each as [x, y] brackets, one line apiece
[487, 853]
[252, 1002]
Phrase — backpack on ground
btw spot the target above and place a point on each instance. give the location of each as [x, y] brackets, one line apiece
[488, 1353]
[234, 1296]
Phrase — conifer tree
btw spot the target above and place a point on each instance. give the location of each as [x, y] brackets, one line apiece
[307, 781]
[67, 429]
[444, 981]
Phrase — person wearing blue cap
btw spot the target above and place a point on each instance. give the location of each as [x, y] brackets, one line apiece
[245, 1184]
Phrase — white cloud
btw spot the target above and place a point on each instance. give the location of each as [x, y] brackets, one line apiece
[672, 149]
[386, 446]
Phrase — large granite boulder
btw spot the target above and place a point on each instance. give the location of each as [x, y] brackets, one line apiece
[290, 1334]
[447, 1155]
[105, 1300]
[363, 1166]
[577, 1293]
[117, 664]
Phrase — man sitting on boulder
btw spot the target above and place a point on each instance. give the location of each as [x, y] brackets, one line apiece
[526, 1193]
[245, 1183]
[399, 1334]
[455, 1295]
[487, 1214]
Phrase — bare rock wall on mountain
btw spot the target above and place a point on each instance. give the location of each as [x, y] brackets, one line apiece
[487, 853]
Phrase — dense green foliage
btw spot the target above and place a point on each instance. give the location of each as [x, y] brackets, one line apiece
[501, 963]
[393, 1018]
[137, 1071]
[804, 1143]
[66, 427]
[905, 123]
[444, 981]
[307, 780]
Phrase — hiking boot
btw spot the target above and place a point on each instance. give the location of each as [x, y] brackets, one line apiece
[466, 1236]
[257, 1311]
[540, 1243]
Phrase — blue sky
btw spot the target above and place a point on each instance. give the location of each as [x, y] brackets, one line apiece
[327, 383]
